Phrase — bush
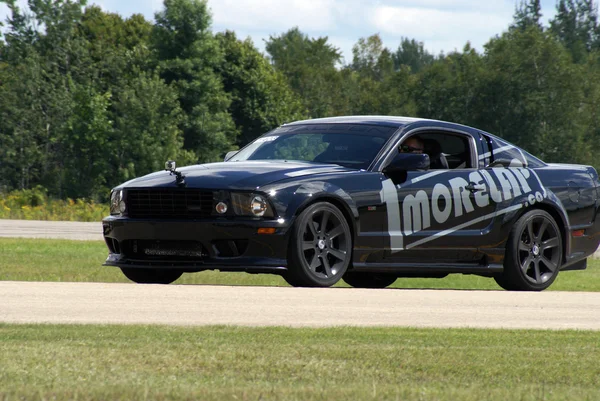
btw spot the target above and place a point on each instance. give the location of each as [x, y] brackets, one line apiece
[34, 204]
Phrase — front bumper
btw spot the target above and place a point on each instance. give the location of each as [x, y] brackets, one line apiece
[196, 245]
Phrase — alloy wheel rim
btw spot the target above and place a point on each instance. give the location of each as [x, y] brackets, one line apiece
[539, 250]
[324, 244]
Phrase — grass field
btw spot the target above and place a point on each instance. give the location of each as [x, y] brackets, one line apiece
[60, 260]
[46, 362]
[90, 362]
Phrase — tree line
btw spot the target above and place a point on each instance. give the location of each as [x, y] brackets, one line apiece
[89, 99]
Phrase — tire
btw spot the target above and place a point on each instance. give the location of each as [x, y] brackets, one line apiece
[151, 276]
[320, 247]
[368, 280]
[533, 253]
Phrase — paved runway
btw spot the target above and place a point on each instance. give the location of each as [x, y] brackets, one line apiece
[29, 302]
[44, 302]
[51, 229]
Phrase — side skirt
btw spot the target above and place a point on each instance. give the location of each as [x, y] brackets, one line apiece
[427, 269]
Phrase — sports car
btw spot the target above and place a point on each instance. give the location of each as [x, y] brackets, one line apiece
[364, 199]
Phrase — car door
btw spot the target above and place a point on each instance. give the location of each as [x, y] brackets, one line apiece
[439, 216]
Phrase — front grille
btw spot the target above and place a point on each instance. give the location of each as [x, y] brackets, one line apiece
[169, 203]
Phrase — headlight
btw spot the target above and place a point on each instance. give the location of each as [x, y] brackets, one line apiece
[117, 202]
[258, 206]
[248, 204]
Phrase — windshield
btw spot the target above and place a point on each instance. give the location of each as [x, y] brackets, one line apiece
[348, 145]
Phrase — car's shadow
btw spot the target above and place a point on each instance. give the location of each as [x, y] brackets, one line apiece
[339, 288]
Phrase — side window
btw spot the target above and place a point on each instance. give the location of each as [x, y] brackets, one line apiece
[447, 150]
[506, 154]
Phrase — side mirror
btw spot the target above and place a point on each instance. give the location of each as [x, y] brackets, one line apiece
[403, 162]
[230, 154]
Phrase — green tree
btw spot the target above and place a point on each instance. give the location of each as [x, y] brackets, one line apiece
[189, 57]
[412, 54]
[532, 95]
[261, 98]
[147, 117]
[79, 109]
[310, 67]
[45, 64]
[576, 27]
[82, 171]
[528, 14]
[372, 85]
[371, 58]
[589, 111]
[450, 88]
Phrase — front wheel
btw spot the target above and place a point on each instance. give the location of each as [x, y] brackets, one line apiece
[533, 253]
[320, 247]
[151, 276]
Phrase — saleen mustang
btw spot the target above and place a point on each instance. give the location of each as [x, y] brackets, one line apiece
[363, 199]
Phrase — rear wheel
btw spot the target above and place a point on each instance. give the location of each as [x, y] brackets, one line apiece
[533, 253]
[151, 276]
[320, 247]
[368, 280]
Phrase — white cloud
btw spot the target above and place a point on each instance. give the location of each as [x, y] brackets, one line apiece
[442, 25]
[431, 24]
[451, 5]
[274, 14]
[444, 31]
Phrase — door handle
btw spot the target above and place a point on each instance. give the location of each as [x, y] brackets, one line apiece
[474, 187]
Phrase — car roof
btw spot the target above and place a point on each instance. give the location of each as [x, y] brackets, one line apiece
[389, 121]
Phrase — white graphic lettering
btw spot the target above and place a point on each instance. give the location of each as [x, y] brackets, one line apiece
[455, 198]
[482, 198]
[494, 193]
[522, 175]
[461, 196]
[504, 183]
[440, 190]
[505, 176]
[539, 197]
[416, 210]
[389, 196]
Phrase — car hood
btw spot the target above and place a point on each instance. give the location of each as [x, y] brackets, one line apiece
[242, 175]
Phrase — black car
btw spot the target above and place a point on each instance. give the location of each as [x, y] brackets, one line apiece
[347, 198]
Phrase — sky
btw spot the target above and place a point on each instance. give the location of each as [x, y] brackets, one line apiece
[442, 25]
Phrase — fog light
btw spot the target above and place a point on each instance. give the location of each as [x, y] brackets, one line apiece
[122, 207]
[221, 208]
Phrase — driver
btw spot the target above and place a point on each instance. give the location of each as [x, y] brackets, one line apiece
[414, 144]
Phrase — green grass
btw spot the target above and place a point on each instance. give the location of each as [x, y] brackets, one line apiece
[210, 363]
[91, 362]
[60, 260]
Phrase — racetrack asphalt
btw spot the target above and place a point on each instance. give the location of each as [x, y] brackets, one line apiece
[103, 303]
[72, 230]
[112, 303]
